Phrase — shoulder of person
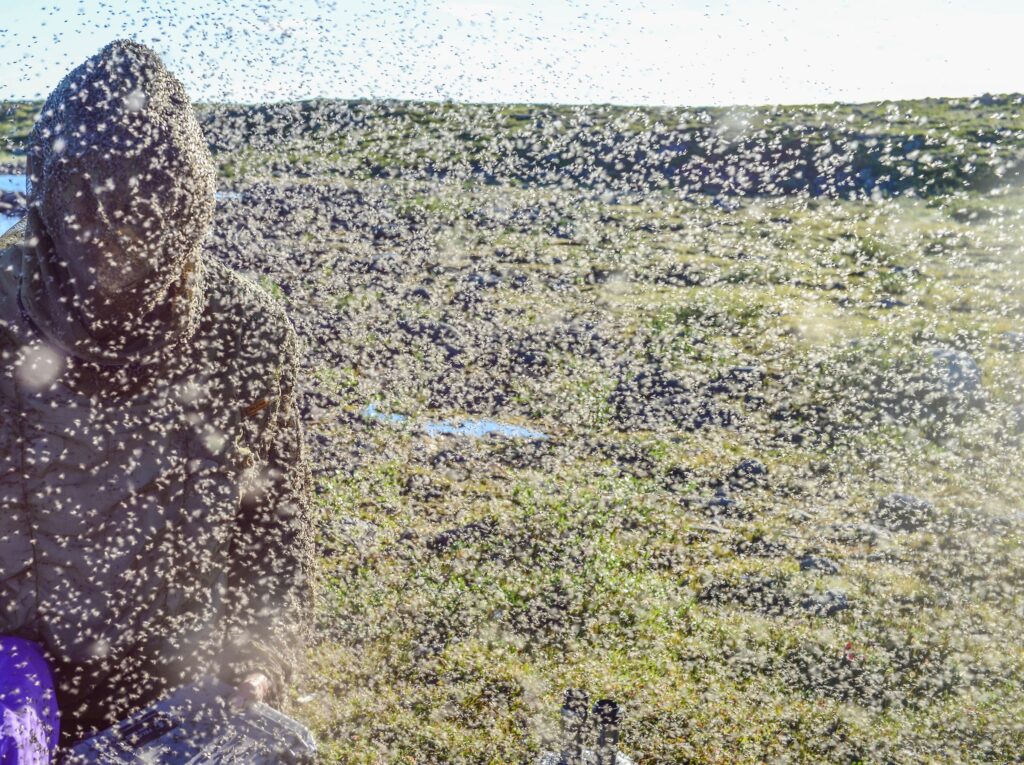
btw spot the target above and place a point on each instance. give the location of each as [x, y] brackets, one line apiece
[259, 344]
[264, 330]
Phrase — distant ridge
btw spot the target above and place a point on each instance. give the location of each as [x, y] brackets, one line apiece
[924, 146]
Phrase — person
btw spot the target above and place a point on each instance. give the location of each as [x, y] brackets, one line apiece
[153, 480]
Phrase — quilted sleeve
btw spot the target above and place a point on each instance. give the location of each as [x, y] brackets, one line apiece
[271, 551]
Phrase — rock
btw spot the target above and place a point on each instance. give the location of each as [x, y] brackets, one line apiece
[579, 337]
[525, 454]
[755, 401]
[931, 390]
[811, 562]
[1015, 420]
[530, 355]
[484, 279]
[316, 401]
[422, 488]
[721, 505]
[702, 530]
[955, 371]
[948, 388]
[552, 612]
[686, 275]
[1011, 341]
[828, 603]
[763, 594]
[739, 379]
[834, 672]
[903, 512]
[519, 281]
[798, 517]
[470, 532]
[467, 299]
[651, 399]
[747, 474]
[676, 478]
[890, 302]
[446, 459]
[856, 533]
[761, 547]
[346, 532]
[631, 459]
[881, 557]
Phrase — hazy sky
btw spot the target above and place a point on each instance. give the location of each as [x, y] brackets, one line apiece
[659, 52]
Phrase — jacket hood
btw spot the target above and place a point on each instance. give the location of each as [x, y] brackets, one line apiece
[119, 126]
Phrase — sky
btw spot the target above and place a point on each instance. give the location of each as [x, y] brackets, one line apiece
[654, 52]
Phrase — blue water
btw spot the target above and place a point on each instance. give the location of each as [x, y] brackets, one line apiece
[478, 428]
[12, 183]
[373, 412]
[473, 428]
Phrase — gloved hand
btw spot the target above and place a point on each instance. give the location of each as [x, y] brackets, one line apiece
[255, 687]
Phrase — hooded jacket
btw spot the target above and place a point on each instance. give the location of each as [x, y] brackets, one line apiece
[154, 511]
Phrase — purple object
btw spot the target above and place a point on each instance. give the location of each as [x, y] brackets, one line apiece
[29, 726]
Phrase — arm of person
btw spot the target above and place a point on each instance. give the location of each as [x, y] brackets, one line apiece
[269, 593]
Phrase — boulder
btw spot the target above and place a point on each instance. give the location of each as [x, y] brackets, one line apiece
[828, 603]
[903, 512]
[651, 398]
[947, 387]
[747, 474]
[811, 562]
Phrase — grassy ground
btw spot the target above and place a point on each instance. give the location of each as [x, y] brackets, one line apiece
[661, 340]
[467, 583]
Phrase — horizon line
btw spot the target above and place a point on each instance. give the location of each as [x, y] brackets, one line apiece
[585, 104]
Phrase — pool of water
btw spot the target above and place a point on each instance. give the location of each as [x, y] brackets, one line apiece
[374, 413]
[469, 427]
[12, 183]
